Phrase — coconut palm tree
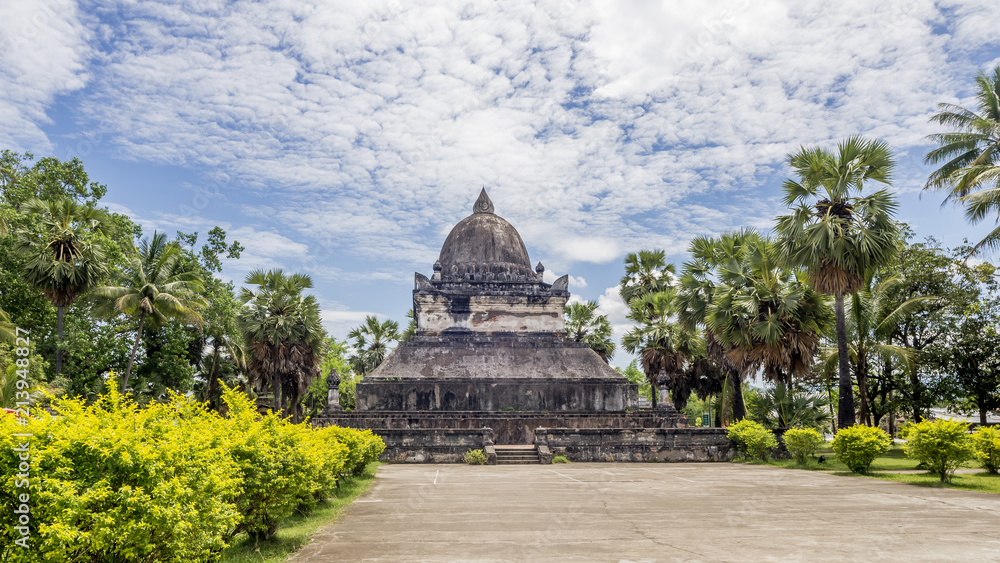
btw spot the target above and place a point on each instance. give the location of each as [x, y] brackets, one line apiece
[871, 319]
[7, 329]
[155, 288]
[646, 272]
[969, 156]
[283, 335]
[836, 234]
[61, 258]
[371, 343]
[584, 325]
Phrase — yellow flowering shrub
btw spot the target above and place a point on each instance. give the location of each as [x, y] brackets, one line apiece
[115, 482]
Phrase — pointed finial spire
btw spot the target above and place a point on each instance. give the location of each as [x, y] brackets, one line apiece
[483, 204]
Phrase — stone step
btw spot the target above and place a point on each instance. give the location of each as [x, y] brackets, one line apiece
[517, 454]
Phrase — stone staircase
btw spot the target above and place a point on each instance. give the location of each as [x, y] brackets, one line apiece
[517, 455]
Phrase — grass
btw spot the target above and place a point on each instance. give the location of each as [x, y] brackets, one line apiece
[895, 459]
[298, 528]
[980, 482]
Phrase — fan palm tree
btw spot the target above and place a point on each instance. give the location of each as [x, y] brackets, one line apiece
[584, 325]
[646, 272]
[283, 335]
[783, 406]
[766, 314]
[371, 343]
[60, 258]
[871, 319]
[836, 234]
[663, 345]
[156, 288]
[700, 283]
[970, 156]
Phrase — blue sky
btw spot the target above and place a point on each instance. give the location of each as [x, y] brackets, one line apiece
[344, 140]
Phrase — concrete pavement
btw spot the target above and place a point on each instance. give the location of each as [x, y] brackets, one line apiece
[654, 513]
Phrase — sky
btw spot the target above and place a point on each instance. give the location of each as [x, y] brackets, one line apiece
[345, 139]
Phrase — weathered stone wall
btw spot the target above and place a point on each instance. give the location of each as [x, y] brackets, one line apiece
[508, 427]
[437, 445]
[628, 444]
[493, 395]
[438, 312]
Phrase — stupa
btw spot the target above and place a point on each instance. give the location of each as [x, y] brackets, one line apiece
[490, 367]
[491, 335]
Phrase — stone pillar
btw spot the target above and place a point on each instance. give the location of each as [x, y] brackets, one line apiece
[333, 391]
[661, 389]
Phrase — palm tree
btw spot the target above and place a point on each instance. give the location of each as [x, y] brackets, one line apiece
[783, 406]
[584, 325]
[371, 343]
[283, 335]
[970, 156]
[765, 314]
[155, 288]
[646, 272]
[663, 346]
[871, 319]
[837, 235]
[7, 329]
[60, 258]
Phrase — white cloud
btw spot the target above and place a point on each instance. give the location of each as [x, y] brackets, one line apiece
[43, 51]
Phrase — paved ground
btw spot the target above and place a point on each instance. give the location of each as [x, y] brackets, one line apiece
[654, 513]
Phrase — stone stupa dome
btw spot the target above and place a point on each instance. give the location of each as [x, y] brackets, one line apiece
[484, 244]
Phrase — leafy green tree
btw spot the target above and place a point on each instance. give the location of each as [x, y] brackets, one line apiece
[583, 324]
[411, 328]
[635, 376]
[836, 234]
[335, 358]
[283, 334]
[969, 156]
[7, 328]
[371, 343]
[155, 289]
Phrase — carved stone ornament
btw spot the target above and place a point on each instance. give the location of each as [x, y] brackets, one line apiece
[483, 204]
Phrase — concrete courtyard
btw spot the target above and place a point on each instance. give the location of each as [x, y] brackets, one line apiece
[654, 513]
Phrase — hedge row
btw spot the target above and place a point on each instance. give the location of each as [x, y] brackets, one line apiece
[115, 482]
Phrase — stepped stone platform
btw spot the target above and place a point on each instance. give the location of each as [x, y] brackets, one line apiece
[490, 365]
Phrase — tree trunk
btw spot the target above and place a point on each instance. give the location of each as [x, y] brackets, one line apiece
[276, 391]
[653, 396]
[60, 313]
[213, 384]
[864, 412]
[131, 357]
[845, 412]
[915, 396]
[739, 403]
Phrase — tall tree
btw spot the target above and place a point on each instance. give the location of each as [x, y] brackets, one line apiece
[154, 289]
[583, 324]
[371, 344]
[61, 257]
[835, 233]
[969, 156]
[284, 335]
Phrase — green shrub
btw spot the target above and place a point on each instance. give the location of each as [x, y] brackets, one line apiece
[560, 459]
[363, 445]
[858, 446]
[986, 442]
[475, 457]
[942, 445]
[802, 443]
[752, 439]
